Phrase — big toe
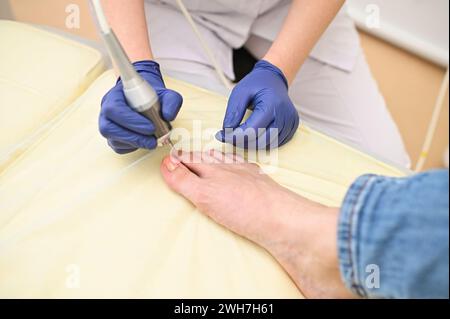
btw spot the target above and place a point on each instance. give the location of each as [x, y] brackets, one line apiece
[179, 178]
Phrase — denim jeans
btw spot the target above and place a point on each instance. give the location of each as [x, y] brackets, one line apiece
[393, 236]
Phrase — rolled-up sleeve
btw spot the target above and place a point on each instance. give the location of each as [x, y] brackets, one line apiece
[393, 236]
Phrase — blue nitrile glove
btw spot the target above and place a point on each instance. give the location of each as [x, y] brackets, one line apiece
[265, 91]
[125, 129]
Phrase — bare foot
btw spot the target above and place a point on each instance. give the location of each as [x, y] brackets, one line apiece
[300, 234]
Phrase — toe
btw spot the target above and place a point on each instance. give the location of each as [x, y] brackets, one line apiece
[201, 164]
[180, 179]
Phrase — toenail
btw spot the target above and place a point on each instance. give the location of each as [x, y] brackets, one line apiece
[174, 160]
[171, 166]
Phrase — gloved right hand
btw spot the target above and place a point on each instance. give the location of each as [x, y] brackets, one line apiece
[125, 129]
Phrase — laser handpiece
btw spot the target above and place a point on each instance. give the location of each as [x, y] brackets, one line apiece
[139, 94]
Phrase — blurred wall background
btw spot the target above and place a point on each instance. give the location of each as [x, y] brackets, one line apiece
[421, 26]
[5, 10]
[409, 82]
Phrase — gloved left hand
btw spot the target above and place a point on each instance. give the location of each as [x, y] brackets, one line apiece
[265, 91]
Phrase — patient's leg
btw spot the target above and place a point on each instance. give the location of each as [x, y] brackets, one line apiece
[300, 234]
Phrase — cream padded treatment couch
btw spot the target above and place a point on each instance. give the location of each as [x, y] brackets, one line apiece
[77, 220]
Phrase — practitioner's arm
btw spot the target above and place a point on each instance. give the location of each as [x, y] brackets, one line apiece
[306, 22]
[127, 18]
[126, 130]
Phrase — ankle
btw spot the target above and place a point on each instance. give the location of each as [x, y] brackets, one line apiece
[306, 247]
[303, 225]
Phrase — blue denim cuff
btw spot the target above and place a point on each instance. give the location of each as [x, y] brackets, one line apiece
[393, 236]
[348, 233]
